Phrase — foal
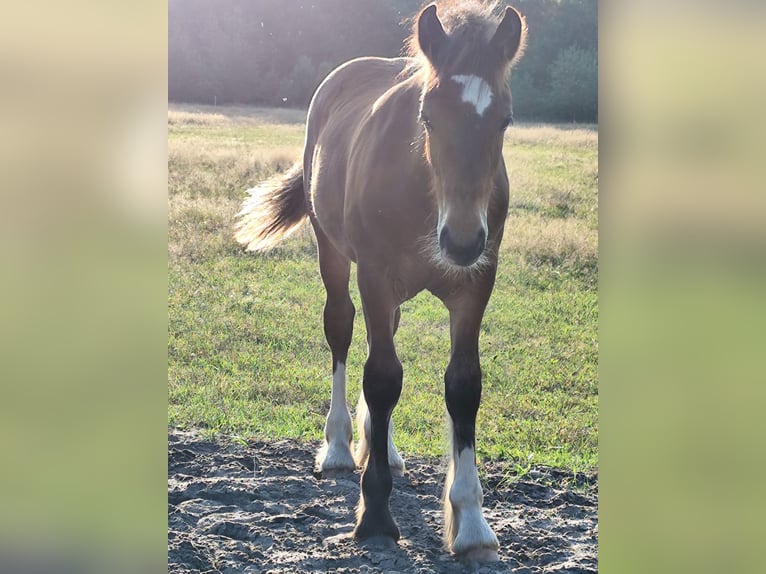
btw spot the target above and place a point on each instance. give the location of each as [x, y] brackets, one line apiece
[403, 174]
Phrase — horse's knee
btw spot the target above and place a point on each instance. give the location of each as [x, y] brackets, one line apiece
[462, 389]
[338, 317]
[382, 385]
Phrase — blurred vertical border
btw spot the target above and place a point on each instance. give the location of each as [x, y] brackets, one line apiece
[83, 323]
[682, 287]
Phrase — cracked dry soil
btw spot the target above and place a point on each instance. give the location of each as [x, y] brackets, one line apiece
[260, 508]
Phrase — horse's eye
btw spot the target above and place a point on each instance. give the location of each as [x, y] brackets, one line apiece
[426, 122]
[506, 122]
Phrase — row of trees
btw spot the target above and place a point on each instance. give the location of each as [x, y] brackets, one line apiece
[275, 52]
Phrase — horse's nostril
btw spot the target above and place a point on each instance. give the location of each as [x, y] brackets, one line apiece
[444, 238]
[459, 253]
[482, 240]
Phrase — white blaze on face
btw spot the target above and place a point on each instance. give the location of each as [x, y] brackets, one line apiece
[475, 91]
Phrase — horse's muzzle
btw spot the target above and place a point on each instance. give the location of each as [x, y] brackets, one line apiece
[462, 254]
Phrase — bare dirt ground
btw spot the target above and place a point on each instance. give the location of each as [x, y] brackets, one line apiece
[260, 508]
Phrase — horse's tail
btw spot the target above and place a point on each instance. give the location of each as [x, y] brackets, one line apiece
[272, 211]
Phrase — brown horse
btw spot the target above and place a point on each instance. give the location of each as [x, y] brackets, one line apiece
[403, 174]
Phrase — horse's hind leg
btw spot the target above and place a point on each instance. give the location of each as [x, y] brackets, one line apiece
[467, 533]
[363, 426]
[335, 454]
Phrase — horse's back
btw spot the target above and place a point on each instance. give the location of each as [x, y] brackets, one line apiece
[338, 111]
[348, 92]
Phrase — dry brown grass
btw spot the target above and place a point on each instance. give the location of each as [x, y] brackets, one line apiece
[554, 134]
[229, 115]
[208, 176]
[559, 241]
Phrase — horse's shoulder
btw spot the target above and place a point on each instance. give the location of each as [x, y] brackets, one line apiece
[348, 93]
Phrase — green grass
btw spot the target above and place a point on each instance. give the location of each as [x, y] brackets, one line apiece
[247, 353]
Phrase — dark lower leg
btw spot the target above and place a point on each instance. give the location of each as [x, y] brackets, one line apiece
[466, 530]
[462, 390]
[382, 387]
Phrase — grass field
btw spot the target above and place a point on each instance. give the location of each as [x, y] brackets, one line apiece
[246, 349]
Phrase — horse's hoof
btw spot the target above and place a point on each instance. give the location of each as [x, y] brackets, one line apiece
[395, 461]
[376, 525]
[334, 461]
[378, 543]
[397, 470]
[364, 533]
[483, 555]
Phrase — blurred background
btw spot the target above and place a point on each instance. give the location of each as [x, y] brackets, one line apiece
[83, 261]
[266, 53]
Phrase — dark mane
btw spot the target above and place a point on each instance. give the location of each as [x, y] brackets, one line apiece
[470, 25]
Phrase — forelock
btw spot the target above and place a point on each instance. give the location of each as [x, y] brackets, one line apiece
[469, 25]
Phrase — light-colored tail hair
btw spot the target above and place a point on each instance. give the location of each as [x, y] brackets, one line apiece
[272, 211]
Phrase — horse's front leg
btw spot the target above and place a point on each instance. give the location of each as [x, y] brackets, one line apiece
[381, 385]
[467, 533]
[395, 460]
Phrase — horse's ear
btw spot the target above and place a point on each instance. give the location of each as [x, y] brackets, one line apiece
[510, 35]
[431, 34]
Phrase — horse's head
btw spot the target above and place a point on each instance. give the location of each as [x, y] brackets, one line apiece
[465, 110]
